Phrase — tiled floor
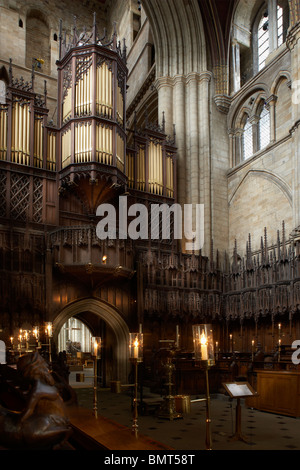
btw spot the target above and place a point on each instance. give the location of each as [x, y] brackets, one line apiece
[264, 431]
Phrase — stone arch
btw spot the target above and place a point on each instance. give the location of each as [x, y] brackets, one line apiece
[180, 41]
[279, 182]
[112, 317]
[259, 90]
[282, 75]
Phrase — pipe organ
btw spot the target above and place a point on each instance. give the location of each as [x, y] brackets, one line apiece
[151, 163]
[90, 139]
[25, 137]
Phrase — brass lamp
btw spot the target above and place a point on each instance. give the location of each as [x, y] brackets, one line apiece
[204, 354]
[135, 356]
[96, 354]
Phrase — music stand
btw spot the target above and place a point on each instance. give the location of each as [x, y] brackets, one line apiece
[239, 390]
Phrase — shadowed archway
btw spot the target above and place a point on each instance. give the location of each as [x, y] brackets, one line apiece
[112, 317]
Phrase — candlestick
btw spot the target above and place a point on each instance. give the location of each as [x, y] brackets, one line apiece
[135, 355]
[204, 354]
[96, 354]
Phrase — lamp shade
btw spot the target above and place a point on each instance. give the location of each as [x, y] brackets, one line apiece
[203, 343]
[96, 347]
[136, 346]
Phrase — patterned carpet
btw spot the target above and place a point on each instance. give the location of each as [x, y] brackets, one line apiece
[264, 431]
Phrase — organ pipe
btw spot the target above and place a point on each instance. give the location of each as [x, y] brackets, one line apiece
[51, 151]
[66, 148]
[38, 142]
[3, 134]
[104, 98]
[20, 144]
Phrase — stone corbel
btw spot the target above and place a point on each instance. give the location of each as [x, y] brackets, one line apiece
[223, 103]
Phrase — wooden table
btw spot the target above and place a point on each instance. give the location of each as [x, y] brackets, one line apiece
[100, 433]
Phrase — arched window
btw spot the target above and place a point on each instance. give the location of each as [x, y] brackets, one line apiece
[264, 128]
[263, 40]
[272, 26]
[247, 140]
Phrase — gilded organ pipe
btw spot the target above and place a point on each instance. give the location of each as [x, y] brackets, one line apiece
[104, 151]
[120, 153]
[3, 134]
[67, 105]
[38, 142]
[66, 148]
[51, 151]
[20, 134]
[104, 91]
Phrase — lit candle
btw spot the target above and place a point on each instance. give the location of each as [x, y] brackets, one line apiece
[136, 349]
[204, 355]
[49, 329]
[36, 332]
[279, 326]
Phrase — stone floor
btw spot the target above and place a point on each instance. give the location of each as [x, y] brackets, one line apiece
[264, 431]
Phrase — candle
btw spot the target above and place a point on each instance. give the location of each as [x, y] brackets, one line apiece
[279, 326]
[136, 349]
[203, 341]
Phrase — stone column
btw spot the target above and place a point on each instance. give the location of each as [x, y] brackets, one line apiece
[164, 86]
[179, 121]
[293, 43]
[193, 138]
[273, 30]
[236, 66]
[271, 102]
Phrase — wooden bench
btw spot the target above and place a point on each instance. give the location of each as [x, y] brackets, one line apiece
[90, 433]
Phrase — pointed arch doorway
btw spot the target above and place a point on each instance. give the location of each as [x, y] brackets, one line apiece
[95, 312]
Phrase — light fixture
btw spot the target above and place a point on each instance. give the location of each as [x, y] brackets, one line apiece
[135, 356]
[204, 356]
[96, 354]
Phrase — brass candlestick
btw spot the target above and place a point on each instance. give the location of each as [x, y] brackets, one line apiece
[204, 355]
[136, 356]
[208, 439]
[96, 353]
[168, 410]
[135, 398]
